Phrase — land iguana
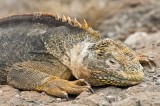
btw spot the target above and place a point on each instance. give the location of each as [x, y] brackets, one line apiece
[44, 52]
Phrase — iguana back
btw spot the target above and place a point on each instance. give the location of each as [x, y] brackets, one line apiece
[22, 36]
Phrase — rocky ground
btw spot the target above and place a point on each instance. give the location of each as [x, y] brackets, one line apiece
[134, 22]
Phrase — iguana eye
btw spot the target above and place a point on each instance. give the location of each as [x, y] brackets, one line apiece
[111, 62]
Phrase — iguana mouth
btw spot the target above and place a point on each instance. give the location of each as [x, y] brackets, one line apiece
[128, 80]
[117, 79]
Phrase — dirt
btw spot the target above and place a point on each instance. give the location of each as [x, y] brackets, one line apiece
[134, 22]
[141, 16]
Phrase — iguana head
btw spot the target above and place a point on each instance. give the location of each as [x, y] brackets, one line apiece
[106, 63]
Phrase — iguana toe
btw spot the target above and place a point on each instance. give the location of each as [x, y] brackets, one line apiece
[81, 82]
[55, 91]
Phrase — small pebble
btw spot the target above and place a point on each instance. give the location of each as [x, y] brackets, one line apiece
[17, 95]
[143, 85]
[158, 81]
[57, 100]
[111, 98]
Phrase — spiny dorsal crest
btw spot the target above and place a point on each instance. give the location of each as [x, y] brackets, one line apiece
[75, 23]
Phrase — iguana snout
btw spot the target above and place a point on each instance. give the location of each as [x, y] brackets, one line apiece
[107, 63]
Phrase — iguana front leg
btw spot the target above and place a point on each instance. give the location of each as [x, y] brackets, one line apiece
[61, 88]
[31, 76]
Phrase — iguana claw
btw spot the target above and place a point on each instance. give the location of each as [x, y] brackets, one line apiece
[86, 83]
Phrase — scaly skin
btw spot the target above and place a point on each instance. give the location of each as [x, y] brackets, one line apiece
[43, 52]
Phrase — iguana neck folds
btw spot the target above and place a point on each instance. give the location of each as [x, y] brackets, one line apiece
[78, 55]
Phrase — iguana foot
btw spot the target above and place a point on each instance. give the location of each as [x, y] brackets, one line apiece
[61, 88]
[144, 59]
